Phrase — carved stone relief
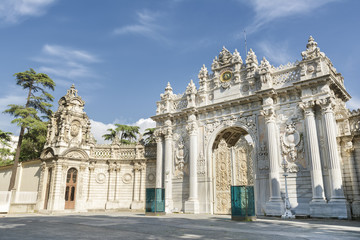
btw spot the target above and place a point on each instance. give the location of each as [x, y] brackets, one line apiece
[292, 147]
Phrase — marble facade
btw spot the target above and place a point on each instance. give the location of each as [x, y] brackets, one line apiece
[242, 122]
[293, 114]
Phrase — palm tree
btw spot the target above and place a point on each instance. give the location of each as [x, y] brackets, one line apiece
[126, 133]
[111, 135]
[150, 136]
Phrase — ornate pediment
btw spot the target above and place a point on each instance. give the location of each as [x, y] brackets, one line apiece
[75, 153]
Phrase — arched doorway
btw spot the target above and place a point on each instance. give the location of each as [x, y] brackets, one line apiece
[233, 166]
[70, 190]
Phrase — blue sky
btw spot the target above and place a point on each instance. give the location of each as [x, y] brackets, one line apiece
[121, 54]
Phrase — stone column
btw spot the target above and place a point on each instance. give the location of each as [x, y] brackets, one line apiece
[159, 159]
[318, 199]
[275, 206]
[111, 189]
[339, 208]
[136, 203]
[58, 200]
[192, 204]
[168, 166]
[348, 152]
[91, 172]
[314, 153]
[42, 187]
[117, 179]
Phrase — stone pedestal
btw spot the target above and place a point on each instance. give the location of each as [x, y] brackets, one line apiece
[137, 205]
[192, 206]
[275, 208]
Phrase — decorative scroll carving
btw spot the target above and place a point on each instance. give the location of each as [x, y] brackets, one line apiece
[292, 144]
[243, 163]
[180, 160]
[201, 164]
[237, 159]
[263, 160]
[223, 178]
[224, 57]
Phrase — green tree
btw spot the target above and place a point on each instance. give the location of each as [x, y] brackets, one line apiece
[26, 116]
[127, 134]
[150, 136]
[5, 152]
[111, 135]
[33, 143]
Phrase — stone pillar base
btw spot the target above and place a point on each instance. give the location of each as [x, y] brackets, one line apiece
[275, 208]
[192, 206]
[137, 205]
[318, 208]
[339, 209]
[169, 205]
[112, 205]
[356, 209]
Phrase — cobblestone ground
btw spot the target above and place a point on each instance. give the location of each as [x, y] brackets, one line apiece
[132, 225]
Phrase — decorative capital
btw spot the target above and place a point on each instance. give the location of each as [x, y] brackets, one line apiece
[92, 166]
[112, 167]
[192, 128]
[269, 114]
[307, 107]
[327, 104]
[139, 166]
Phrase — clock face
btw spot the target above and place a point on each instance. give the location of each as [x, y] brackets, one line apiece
[226, 76]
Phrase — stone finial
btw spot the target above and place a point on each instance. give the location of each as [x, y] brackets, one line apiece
[236, 57]
[72, 92]
[203, 74]
[312, 50]
[311, 45]
[168, 88]
[251, 59]
[265, 64]
[191, 88]
[225, 56]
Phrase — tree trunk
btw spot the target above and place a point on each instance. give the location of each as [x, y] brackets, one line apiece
[16, 160]
[18, 148]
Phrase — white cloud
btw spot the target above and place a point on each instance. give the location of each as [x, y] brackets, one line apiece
[276, 53]
[13, 11]
[267, 11]
[64, 62]
[147, 25]
[354, 103]
[99, 128]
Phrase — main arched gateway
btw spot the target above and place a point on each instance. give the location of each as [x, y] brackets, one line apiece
[232, 165]
[246, 112]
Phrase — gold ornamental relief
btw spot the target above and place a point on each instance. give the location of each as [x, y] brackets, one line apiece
[225, 165]
[223, 178]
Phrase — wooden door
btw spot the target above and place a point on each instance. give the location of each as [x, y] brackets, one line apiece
[70, 191]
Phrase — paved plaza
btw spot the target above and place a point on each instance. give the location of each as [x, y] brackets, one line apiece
[135, 225]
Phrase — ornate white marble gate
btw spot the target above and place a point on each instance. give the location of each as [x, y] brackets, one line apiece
[293, 113]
